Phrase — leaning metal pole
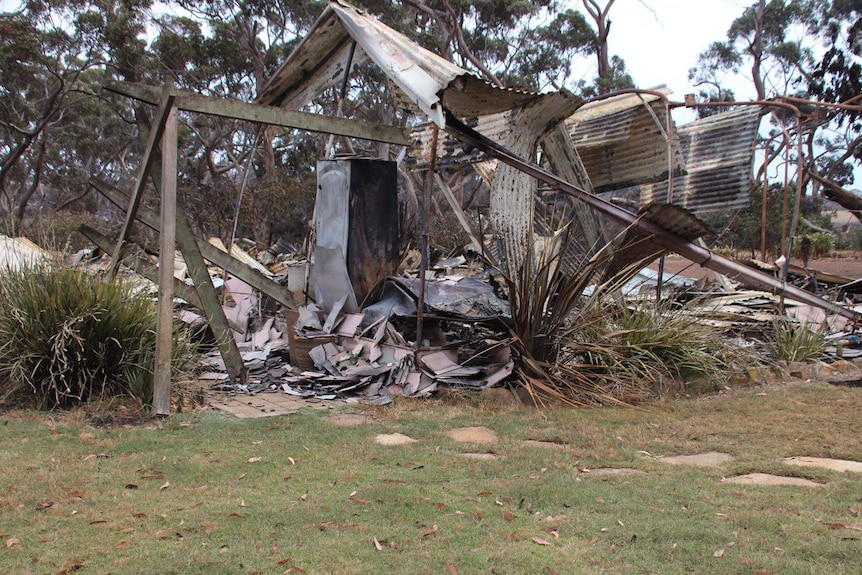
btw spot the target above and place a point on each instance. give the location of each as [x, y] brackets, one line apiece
[668, 240]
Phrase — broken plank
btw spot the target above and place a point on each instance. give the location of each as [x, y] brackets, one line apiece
[271, 115]
[219, 258]
[463, 219]
[165, 102]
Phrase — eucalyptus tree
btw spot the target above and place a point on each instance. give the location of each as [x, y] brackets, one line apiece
[49, 74]
[837, 78]
[799, 49]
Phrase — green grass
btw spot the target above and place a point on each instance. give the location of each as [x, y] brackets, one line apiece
[187, 495]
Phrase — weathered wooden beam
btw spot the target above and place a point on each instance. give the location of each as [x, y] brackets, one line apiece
[219, 258]
[167, 245]
[165, 101]
[271, 115]
[140, 265]
[209, 299]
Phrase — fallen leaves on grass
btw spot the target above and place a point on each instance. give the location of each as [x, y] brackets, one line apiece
[718, 553]
[255, 459]
[539, 541]
[44, 505]
[13, 542]
[71, 565]
[434, 529]
[842, 526]
[377, 544]
[195, 489]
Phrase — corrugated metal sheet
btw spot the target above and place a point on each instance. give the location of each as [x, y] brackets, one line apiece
[425, 79]
[718, 153]
[638, 248]
[450, 151]
[619, 141]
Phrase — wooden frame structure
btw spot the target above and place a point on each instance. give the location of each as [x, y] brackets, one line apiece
[172, 223]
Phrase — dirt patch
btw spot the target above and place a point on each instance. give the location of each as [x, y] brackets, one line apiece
[350, 419]
[767, 479]
[122, 417]
[847, 264]
[472, 435]
[711, 459]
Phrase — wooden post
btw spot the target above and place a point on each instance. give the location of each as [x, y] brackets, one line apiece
[167, 244]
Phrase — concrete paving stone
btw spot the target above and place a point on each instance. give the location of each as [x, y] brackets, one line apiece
[842, 465]
[472, 435]
[771, 480]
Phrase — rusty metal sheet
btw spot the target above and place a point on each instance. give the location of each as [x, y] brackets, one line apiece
[450, 151]
[639, 248]
[425, 79]
[718, 154]
[619, 141]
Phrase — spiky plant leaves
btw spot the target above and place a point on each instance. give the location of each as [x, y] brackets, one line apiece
[67, 336]
[794, 341]
[579, 343]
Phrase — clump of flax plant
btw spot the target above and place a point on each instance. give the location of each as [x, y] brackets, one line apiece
[579, 342]
[794, 341]
[67, 337]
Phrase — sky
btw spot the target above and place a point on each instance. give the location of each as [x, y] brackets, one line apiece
[660, 40]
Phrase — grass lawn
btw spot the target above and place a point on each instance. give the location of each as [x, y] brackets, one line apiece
[209, 493]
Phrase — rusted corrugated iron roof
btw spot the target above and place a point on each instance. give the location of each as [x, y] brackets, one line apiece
[451, 152]
[639, 248]
[425, 79]
[718, 153]
[619, 141]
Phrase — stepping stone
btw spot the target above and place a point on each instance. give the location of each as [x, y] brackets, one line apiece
[394, 439]
[767, 479]
[544, 444]
[480, 456]
[711, 459]
[841, 465]
[614, 471]
[349, 419]
[472, 435]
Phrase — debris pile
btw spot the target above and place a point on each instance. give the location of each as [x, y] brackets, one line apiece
[370, 354]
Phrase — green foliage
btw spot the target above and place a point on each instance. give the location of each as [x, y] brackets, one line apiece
[67, 337]
[792, 341]
[646, 350]
[60, 231]
[579, 344]
[741, 230]
[813, 245]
